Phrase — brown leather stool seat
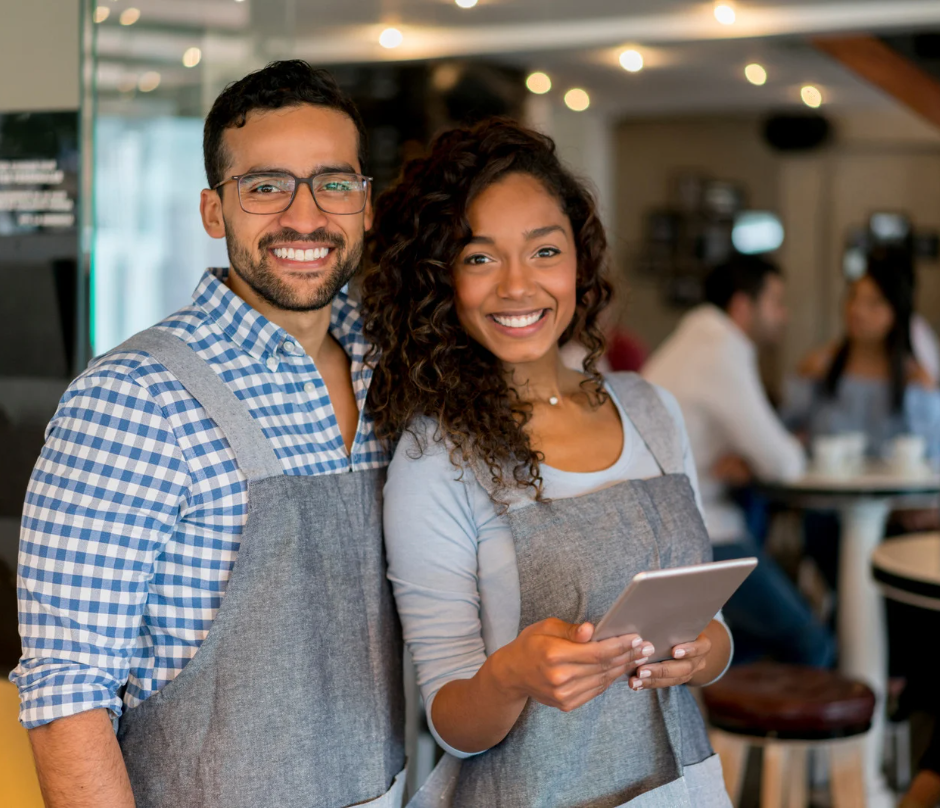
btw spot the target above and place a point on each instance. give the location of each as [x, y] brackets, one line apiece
[789, 702]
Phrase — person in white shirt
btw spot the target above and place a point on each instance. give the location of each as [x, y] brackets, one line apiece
[710, 365]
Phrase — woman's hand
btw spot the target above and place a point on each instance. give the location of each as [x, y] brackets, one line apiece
[555, 663]
[693, 663]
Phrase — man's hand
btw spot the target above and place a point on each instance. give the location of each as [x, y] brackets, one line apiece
[733, 470]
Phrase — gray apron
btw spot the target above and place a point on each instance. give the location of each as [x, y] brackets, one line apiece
[645, 749]
[294, 699]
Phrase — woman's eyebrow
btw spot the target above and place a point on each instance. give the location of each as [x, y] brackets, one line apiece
[528, 235]
[543, 231]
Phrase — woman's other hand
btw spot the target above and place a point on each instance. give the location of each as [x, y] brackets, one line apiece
[693, 663]
[556, 663]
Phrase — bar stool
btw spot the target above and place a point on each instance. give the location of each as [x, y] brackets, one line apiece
[788, 710]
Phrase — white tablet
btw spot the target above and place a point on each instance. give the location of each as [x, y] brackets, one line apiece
[673, 606]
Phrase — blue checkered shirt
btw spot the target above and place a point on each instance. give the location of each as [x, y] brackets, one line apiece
[135, 507]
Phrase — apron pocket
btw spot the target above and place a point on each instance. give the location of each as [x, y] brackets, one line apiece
[701, 786]
[393, 798]
[438, 790]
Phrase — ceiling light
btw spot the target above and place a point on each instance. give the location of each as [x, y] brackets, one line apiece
[466, 3]
[724, 13]
[631, 61]
[539, 83]
[577, 100]
[129, 16]
[102, 13]
[192, 57]
[149, 82]
[811, 96]
[391, 38]
[756, 74]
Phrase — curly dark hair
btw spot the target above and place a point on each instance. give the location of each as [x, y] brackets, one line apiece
[425, 363]
[288, 83]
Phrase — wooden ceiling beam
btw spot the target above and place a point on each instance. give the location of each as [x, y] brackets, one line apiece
[871, 59]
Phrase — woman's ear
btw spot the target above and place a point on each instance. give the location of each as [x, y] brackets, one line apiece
[210, 208]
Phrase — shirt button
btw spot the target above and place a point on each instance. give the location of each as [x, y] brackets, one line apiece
[310, 387]
[272, 363]
[288, 347]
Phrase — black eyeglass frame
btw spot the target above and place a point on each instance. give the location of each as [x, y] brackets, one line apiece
[298, 181]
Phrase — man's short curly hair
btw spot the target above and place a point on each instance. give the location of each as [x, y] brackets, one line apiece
[425, 363]
[289, 83]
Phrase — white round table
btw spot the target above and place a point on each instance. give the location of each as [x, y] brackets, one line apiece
[907, 569]
[864, 502]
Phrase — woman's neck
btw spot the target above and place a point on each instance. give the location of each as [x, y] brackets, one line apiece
[869, 359]
[543, 380]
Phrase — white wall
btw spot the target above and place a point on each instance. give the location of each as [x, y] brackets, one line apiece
[39, 55]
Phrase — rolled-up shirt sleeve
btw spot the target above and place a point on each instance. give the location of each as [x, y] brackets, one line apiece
[103, 499]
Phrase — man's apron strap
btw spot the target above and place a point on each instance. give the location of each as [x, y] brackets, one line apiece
[253, 452]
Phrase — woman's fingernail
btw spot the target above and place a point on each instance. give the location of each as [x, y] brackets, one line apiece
[637, 685]
[645, 674]
[637, 642]
[648, 651]
[680, 652]
[642, 661]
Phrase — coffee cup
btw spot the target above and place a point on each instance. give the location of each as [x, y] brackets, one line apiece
[907, 454]
[854, 446]
[829, 456]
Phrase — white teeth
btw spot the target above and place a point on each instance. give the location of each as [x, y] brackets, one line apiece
[518, 322]
[301, 255]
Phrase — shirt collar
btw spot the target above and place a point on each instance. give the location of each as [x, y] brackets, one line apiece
[255, 333]
[718, 320]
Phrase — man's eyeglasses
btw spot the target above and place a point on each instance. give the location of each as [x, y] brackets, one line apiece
[273, 192]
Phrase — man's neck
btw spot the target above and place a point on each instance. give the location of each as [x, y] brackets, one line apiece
[310, 328]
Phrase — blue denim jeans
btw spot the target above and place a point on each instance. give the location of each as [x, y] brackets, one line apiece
[769, 617]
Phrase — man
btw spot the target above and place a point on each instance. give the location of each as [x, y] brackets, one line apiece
[224, 453]
[710, 365]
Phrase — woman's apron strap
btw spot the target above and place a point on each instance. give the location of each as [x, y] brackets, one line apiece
[652, 420]
[253, 452]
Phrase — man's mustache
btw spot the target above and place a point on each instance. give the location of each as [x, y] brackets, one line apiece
[319, 236]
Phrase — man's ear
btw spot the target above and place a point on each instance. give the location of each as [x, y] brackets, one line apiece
[741, 310]
[368, 214]
[210, 207]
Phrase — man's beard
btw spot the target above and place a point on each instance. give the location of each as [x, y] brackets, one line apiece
[281, 294]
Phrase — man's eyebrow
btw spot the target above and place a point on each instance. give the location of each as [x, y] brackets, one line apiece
[543, 231]
[337, 168]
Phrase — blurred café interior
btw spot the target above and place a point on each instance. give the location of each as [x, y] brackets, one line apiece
[805, 133]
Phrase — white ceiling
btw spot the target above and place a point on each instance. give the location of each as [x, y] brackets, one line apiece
[692, 62]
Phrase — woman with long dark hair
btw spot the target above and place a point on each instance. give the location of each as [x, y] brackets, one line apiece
[869, 381]
[523, 495]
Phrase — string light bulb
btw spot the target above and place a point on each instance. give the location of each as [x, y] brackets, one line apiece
[577, 99]
[811, 96]
[631, 60]
[538, 83]
[391, 38]
[756, 74]
[725, 13]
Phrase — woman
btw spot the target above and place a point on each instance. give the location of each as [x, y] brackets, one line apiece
[869, 381]
[523, 495]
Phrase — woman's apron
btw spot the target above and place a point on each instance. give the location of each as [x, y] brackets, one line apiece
[295, 698]
[646, 749]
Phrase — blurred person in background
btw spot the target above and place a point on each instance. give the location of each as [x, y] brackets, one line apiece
[523, 494]
[869, 380]
[710, 365]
